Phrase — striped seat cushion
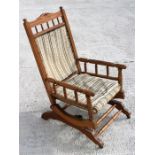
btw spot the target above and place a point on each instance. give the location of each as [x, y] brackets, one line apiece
[104, 89]
[56, 53]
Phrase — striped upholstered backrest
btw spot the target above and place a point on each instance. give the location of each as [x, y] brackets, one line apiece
[56, 52]
[51, 45]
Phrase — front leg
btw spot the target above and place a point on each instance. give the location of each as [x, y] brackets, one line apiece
[120, 106]
[92, 137]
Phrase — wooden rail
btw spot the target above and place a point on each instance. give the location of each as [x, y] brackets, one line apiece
[105, 114]
[99, 62]
[69, 86]
[45, 18]
[102, 76]
[108, 123]
[48, 30]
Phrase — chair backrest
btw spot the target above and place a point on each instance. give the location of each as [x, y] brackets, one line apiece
[53, 46]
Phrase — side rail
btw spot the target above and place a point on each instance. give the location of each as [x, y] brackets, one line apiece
[108, 66]
[74, 100]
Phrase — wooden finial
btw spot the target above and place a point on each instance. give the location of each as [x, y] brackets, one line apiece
[61, 8]
[24, 20]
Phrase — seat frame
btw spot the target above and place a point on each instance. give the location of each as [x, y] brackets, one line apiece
[87, 126]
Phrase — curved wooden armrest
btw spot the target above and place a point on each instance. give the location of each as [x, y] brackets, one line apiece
[99, 62]
[69, 86]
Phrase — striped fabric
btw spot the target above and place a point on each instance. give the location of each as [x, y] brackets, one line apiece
[104, 89]
[57, 54]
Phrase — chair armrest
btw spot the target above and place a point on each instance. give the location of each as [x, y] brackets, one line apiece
[119, 67]
[99, 62]
[69, 86]
[76, 89]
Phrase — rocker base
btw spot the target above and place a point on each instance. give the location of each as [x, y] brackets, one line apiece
[88, 133]
[85, 126]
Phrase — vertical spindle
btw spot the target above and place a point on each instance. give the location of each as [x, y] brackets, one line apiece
[36, 29]
[85, 67]
[54, 88]
[42, 27]
[76, 96]
[53, 22]
[58, 20]
[48, 25]
[107, 68]
[96, 69]
[120, 78]
[90, 111]
[64, 90]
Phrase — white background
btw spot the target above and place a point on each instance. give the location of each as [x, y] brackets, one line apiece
[145, 77]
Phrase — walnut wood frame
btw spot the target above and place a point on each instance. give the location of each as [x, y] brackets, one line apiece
[86, 126]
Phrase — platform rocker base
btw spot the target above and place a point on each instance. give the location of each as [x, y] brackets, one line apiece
[85, 126]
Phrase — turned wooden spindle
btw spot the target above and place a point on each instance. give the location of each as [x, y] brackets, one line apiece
[47, 25]
[65, 93]
[107, 69]
[89, 105]
[85, 67]
[36, 29]
[120, 78]
[54, 88]
[76, 96]
[96, 69]
[42, 27]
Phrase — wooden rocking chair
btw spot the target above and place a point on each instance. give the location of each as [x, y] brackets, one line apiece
[61, 71]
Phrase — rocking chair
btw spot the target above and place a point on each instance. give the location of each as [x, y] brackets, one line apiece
[65, 80]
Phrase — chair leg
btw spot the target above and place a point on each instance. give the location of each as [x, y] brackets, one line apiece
[120, 106]
[92, 137]
[88, 133]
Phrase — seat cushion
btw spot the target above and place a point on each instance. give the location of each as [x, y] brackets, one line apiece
[104, 89]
